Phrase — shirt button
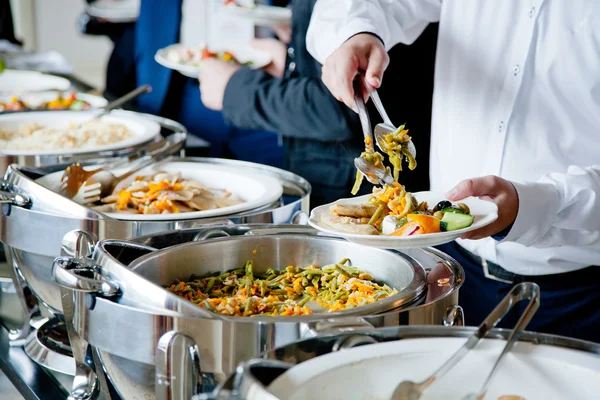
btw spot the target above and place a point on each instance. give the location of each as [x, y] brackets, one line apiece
[501, 126]
[292, 67]
[516, 69]
[291, 51]
[531, 12]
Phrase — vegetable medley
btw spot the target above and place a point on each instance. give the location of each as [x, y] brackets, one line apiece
[242, 292]
[391, 210]
[70, 102]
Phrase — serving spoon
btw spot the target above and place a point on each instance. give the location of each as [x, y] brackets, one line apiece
[408, 390]
[377, 175]
[386, 126]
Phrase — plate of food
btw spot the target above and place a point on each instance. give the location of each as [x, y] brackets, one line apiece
[181, 190]
[258, 13]
[421, 219]
[391, 217]
[16, 82]
[73, 132]
[118, 11]
[188, 59]
[51, 100]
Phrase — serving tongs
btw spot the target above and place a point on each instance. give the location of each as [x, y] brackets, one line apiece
[408, 390]
[377, 174]
[386, 126]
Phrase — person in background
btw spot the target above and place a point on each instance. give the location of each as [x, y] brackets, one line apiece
[160, 24]
[120, 70]
[7, 27]
[321, 136]
[516, 102]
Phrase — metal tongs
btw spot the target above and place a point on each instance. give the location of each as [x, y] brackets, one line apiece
[408, 390]
[376, 174]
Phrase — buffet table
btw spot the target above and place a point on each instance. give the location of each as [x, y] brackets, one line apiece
[30, 379]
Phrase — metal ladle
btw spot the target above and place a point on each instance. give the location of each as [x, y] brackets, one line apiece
[376, 175]
[408, 390]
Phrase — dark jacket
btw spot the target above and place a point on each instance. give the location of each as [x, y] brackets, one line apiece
[321, 135]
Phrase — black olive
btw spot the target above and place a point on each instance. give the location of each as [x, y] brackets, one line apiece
[441, 205]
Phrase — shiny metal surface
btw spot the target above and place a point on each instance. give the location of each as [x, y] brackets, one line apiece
[220, 255]
[128, 352]
[33, 238]
[408, 390]
[250, 380]
[63, 158]
[49, 347]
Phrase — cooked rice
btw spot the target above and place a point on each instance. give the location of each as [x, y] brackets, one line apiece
[92, 134]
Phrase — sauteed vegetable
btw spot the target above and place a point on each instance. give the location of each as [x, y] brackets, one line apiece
[391, 210]
[291, 291]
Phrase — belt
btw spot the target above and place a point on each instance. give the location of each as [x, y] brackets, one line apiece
[495, 272]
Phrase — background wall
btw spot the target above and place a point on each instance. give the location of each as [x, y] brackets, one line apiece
[54, 25]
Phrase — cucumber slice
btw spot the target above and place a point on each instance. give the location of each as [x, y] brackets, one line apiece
[453, 210]
[453, 221]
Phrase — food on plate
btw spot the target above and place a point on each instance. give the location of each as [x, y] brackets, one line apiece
[287, 292]
[395, 145]
[165, 193]
[70, 102]
[193, 55]
[92, 134]
[391, 210]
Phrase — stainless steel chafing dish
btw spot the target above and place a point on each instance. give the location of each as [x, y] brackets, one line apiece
[129, 341]
[65, 158]
[45, 227]
[257, 379]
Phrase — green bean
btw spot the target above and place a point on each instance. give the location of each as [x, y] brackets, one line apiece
[304, 300]
[248, 270]
[344, 261]
[304, 282]
[209, 306]
[343, 271]
[248, 307]
[378, 213]
[210, 284]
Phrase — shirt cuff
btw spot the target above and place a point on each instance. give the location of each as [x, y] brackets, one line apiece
[538, 206]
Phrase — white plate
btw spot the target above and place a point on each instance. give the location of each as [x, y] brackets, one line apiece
[143, 130]
[115, 10]
[35, 99]
[244, 54]
[261, 14]
[15, 82]
[255, 190]
[485, 212]
[535, 372]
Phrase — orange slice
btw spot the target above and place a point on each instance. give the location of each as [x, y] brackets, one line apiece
[428, 222]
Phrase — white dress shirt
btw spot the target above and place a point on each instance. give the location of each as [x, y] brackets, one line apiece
[517, 94]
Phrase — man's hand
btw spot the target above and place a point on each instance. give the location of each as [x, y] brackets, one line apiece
[495, 189]
[214, 77]
[277, 50]
[361, 52]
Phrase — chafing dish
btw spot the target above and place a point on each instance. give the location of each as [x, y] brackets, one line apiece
[131, 341]
[535, 359]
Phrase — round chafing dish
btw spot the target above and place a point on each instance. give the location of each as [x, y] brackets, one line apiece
[165, 126]
[133, 340]
[540, 366]
[51, 225]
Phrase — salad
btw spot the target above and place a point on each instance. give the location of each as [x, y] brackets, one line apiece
[391, 210]
[69, 102]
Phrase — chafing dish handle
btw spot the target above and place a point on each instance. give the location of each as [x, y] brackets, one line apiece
[15, 199]
[66, 273]
[174, 352]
